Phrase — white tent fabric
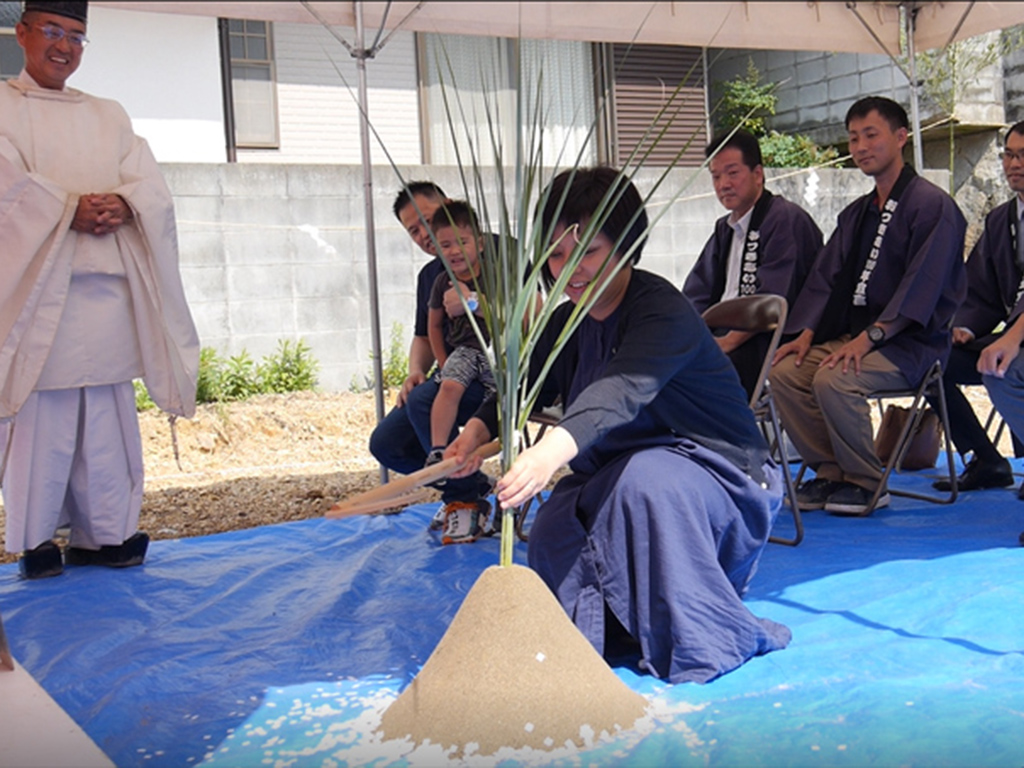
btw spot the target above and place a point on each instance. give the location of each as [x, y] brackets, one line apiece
[811, 26]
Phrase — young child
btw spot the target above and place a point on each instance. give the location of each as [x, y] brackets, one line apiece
[461, 246]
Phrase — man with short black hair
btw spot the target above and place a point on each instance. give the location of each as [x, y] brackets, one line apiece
[765, 244]
[874, 314]
[90, 299]
[402, 441]
[994, 287]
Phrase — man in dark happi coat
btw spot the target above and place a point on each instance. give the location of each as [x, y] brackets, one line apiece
[765, 245]
[874, 314]
[994, 286]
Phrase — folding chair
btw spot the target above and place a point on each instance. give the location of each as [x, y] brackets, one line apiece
[762, 313]
[931, 386]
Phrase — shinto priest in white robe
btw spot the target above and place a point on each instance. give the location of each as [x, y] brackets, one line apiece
[81, 315]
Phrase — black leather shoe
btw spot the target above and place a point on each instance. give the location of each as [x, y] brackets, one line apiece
[1020, 495]
[978, 475]
[41, 562]
[131, 552]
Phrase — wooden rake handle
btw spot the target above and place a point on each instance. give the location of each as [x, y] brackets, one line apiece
[401, 489]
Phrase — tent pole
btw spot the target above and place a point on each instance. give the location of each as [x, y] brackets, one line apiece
[910, 15]
[361, 54]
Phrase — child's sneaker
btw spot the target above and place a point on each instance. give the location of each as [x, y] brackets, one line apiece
[464, 521]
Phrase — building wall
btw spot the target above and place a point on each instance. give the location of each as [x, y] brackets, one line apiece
[815, 88]
[278, 251]
[317, 94]
[174, 102]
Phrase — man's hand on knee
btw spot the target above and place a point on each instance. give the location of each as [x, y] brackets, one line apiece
[412, 381]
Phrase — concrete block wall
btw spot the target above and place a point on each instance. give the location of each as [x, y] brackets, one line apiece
[275, 251]
[815, 88]
[1013, 81]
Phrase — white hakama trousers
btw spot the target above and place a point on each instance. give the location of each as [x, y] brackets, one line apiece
[75, 458]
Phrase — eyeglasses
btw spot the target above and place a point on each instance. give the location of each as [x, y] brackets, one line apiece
[54, 33]
[1009, 156]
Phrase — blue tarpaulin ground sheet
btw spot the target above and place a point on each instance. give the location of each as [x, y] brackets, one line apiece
[278, 646]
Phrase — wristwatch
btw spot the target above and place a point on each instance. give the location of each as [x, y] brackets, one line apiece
[876, 334]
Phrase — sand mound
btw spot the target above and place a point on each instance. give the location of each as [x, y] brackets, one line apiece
[512, 671]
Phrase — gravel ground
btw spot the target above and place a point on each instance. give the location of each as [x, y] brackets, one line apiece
[270, 459]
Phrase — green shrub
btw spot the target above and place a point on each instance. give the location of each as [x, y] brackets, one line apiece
[143, 402]
[395, 368]
[748, 103]
[240, 378]
[291, 369]
[208, 383]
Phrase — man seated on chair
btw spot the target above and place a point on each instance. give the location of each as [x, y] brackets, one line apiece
[994, 287]
[874, 315]
[765, 244]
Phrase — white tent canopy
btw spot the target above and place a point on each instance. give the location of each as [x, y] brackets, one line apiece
[812, 26]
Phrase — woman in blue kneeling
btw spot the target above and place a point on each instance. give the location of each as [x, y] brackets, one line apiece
[655, 535]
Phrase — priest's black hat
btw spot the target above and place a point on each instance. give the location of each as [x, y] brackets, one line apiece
[79, 11]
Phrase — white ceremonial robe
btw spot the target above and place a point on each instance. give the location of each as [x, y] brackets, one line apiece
[80, 310]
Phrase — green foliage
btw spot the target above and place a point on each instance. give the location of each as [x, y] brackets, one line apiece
[787, 150]
[208, 383]
[395, 367]
[291, 369]
[240, 378]
[747, 103]
[143, 402]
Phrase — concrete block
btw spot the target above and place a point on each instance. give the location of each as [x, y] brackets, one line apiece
[260, 283]
[210, 317]
[810, 72]
[196, 211]
[319, 280]
[203, 246]
[804, 56]
[775, 60]
[254, 180]
[256, 244]
[813, 115]
[840, 64]
[788, 101]
[195, 179]
[309, 243]
[323, 180]
[204, 283]
[340, 314]
[275, 317]
[844, 89]
[812, 96]
[268, 210]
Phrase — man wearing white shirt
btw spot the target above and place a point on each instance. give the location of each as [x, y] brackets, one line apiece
[765, 244]
[994, 286]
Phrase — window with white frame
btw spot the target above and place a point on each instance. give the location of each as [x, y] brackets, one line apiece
[253, 84]
[12, 58]
[470, 98]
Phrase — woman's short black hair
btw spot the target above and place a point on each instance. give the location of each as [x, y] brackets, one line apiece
[587, 189]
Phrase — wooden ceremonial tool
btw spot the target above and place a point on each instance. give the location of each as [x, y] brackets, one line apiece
[401, 489]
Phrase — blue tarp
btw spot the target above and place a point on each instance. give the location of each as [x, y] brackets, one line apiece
[271, 646]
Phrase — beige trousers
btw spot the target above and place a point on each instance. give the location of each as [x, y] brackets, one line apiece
[826, 413]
